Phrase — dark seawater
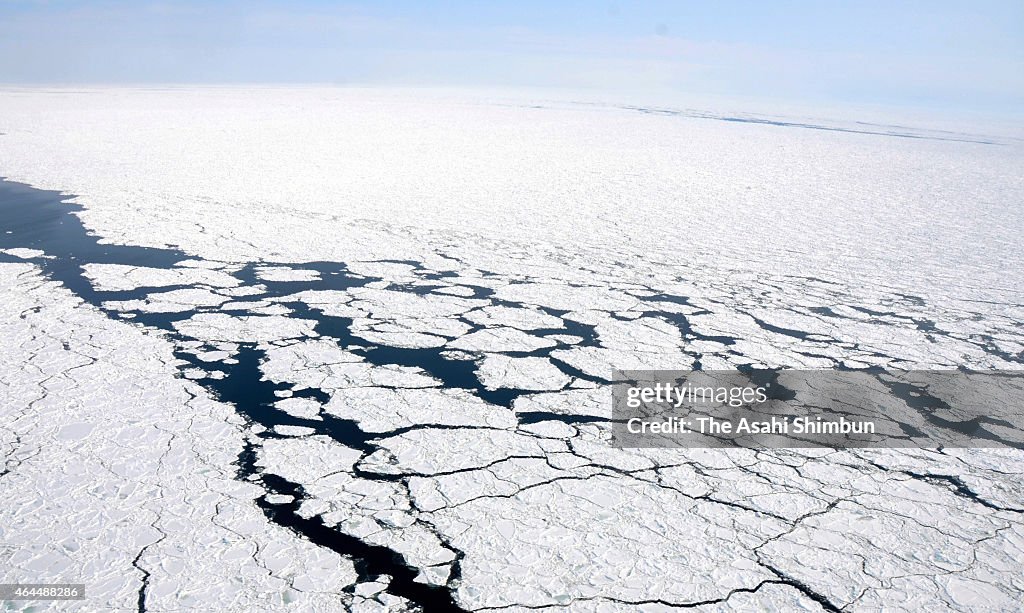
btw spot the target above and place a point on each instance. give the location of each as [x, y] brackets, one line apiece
[43, 220]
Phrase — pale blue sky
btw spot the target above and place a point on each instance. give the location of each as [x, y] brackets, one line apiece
[963, 55]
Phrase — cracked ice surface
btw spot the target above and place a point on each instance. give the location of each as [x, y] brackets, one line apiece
[120, 475]
[413, 365]
[110, 277]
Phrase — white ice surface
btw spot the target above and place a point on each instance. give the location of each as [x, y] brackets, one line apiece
[606, 214]
[115, 470]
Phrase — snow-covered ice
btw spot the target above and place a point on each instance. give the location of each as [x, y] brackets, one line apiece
[364, 362]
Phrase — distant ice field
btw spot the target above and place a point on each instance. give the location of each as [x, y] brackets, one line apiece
[365, 174]
[348, 349]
